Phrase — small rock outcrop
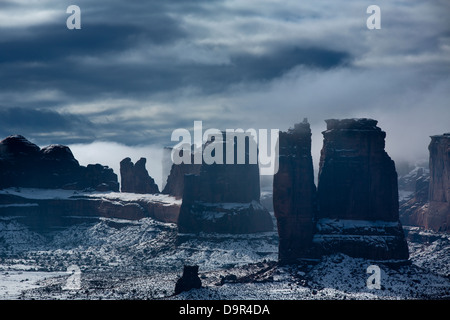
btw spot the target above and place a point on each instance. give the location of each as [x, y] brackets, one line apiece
[135, 178]
[24, 164]
[294, 193]
[189, 280]
[224, 198]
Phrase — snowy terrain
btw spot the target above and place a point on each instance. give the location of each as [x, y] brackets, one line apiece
[43, 194]
[121, 259]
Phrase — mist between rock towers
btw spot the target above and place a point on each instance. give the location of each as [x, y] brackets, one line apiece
[229, 146]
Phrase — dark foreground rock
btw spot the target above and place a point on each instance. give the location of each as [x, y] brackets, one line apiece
[24, 164]
[189, 280]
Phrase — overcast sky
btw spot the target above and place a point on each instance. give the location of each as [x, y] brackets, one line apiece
[137, 70]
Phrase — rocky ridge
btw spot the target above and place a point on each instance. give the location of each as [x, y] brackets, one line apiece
[24, 164]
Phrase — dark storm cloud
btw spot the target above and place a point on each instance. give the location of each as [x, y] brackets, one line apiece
[49, 59]
[40, 123]
[279, 62]
[52, 42]
[139, 69]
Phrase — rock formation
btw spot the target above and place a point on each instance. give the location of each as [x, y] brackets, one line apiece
[224, 198]
[24, 164]
[294, 193]
[355, 208]
[175, 180]
[438, 217]
[413, 210]
[358, 193]
[429, 206]
[357, 179]
[135, 178]
[42, 210]
[189, 280]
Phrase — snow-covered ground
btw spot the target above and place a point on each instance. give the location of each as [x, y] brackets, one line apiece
[43, 194]
[121, 259]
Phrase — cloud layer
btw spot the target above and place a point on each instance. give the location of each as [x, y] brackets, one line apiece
[138, 70]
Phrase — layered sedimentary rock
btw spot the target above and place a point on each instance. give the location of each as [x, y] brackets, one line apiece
[135, 178]
[224, 198]
[43, 209]
[438, 217]
[429, 206]
[294, 193]
[24, 164]
[358, 193]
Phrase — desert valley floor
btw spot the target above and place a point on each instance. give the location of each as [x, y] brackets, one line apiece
[120, 259]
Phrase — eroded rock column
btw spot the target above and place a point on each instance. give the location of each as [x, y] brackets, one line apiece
[358, 193]
[438, 217]
[294, 193]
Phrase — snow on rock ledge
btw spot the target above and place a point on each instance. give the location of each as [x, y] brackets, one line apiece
[42, 209]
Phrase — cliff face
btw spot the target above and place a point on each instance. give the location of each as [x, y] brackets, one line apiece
[429, 206]
[358, 193]
[357, 196]
[413, 211]
[357, 179]
[135, 177]
[294, 193]
[223, 198]
[175, 180]
[24, 164]
[438, 217]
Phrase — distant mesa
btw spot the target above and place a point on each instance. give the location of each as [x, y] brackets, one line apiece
[224, 198]
[135, 177]
[24, 164]
[430, 205]
[355, 208]
[27, 172]
[438, 217]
